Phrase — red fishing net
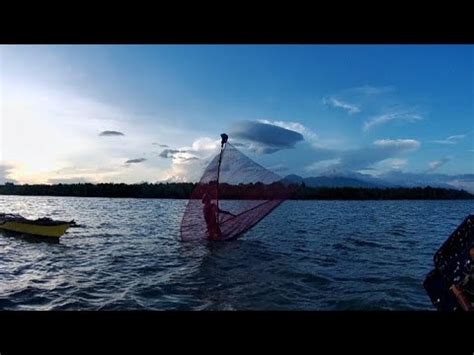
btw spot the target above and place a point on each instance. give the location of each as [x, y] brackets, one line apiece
[233, 195]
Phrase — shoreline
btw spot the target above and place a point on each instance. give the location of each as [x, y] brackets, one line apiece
[255, 191]
[290, 199]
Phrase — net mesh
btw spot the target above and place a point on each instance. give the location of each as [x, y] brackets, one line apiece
[232, 183]
[450, 263]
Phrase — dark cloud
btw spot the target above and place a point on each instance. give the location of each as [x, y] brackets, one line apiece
[134, 161]
[111, 133]
[265, 138]
[168, 153]
[161, 145]
[4, 171]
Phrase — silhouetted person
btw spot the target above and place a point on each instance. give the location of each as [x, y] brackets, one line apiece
[211, 215]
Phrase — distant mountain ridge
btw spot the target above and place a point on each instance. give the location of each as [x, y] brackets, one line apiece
[385, 181]
[332, 181]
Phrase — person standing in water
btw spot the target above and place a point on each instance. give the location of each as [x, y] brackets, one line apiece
[211, 214]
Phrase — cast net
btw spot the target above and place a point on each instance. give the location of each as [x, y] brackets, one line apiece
[232, 183]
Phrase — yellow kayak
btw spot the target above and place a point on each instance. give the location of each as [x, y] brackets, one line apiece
[44, 227]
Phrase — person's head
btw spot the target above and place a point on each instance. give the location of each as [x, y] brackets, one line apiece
[471, 252]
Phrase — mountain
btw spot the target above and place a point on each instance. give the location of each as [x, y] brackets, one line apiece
[293, 179]
[338, 181]
[331, 181]
[388, 180]
[463, 181]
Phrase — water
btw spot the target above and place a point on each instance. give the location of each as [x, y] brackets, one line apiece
[307, 255]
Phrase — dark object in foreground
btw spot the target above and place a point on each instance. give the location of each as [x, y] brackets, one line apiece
[43, 227]
[450, 285]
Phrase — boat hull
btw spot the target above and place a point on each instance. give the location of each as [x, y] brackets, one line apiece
[53, 231]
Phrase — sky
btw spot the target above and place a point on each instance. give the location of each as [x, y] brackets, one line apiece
[154, 113]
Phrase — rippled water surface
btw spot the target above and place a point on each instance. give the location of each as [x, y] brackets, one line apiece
[307, 255]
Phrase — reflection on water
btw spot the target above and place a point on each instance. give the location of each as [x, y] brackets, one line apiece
[317, 255]
[29, 238]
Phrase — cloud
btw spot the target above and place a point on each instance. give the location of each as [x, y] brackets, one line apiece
[110, 133]
[278, 168]
[405, 116]
[188, 162]
[465, 182]
[373, 101]
[396, 163]
[364, 158]
[436, 164]
[190, 158]
[402, 144]
[326, 166]
[363, 95]
[5, 170]
[72, 122]
[308, 134]
[204, 144]
[353, 160]
[135, 161]
[350, 108]
[180, 154]
[161, 145]
[168, 153]
[389, 164]
[265, 138]
[451, 139]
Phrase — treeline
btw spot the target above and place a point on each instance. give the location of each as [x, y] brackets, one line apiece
[247, 191]
[145, 190]
[399, 193]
